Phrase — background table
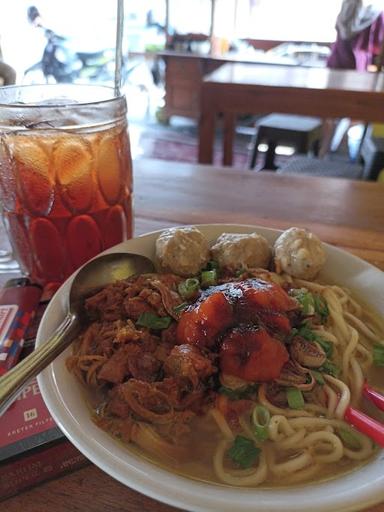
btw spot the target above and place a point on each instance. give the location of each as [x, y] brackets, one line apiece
[346, 213]
[236, 89]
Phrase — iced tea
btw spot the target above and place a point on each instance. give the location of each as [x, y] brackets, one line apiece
[66, 193]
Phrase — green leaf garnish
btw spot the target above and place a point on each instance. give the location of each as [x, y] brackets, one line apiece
[243, 452]
[152, 321]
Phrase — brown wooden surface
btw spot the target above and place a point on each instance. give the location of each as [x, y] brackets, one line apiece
[326, 93]
[185, 71]
[342, 212]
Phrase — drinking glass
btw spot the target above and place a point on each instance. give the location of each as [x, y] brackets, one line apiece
[65, 175]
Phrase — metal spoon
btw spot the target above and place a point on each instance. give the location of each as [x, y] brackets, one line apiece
[93, 276]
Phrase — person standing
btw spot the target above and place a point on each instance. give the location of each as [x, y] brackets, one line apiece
[360, 35]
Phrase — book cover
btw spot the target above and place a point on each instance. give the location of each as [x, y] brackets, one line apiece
[32, 447]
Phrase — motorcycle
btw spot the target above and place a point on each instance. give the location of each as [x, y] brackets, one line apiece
[61, 64]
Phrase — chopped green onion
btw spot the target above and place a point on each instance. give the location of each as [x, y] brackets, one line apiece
[152, 321]
[349, 438]
[327, 346]
[305, 332]
[295, 398]
[212, 265]
[318, 377]
[311, 303]
[260, 419]
[209, 278]
[243, 452]
[306, 300]
[330, 368]
[321, 308]
[189, 287]
[180, 308]
[378, 354]
[239, 393]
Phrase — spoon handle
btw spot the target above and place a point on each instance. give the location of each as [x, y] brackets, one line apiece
[13, 382]
[366, 425]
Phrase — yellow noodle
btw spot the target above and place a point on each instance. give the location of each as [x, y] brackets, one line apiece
[246, 427]
[318, 409]
[316, 423]
[222, 424]
[279, 428]
[303, 474]
[327, 335]
[238, 477]
[336, 312]
[293, 464]
[331, 441]
[357, 381]
[366, 354]
[365, 451]
[290, 413]
[292, 441]
[358, 324]
[348, 351]
[332, 400]
[302, 283]
[345, 396]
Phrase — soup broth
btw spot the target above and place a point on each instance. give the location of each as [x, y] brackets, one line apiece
[246, 384]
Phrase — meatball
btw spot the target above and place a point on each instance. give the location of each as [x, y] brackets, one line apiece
[299, 253]
[236, 251]
[182, 251]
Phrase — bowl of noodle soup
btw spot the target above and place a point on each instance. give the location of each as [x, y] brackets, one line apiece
[307, 459]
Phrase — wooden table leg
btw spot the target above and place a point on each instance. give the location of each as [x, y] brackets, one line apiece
[206, 136]
[229, 120]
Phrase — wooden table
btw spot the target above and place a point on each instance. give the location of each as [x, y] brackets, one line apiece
[342, 212]
[185, 71]
[236, 89]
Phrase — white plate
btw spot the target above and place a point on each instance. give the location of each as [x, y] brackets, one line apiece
[65, 400]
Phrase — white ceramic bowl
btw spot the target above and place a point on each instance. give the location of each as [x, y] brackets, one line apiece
[65, 400]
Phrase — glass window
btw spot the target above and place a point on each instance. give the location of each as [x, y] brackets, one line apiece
[281, 20]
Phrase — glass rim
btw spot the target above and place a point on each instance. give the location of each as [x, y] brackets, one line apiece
[70, 101]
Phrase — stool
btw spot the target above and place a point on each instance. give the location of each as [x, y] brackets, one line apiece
[303, 132]
[372, 152]
[318, 167]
